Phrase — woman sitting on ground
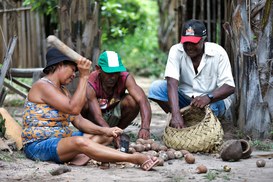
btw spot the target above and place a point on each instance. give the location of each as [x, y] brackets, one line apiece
[49, 110]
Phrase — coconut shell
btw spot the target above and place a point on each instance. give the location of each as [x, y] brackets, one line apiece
[147, 146]
[260, 163]
[161, 162]
[131, 150]
[163, 148]
[152, 153]
[201, 169]
[132, 144]
[155, 146]
[139, 147]
[246, 148]
[231, 150]
[150, 141]
[163, 155]
[184, 152]
[178, 154]
[227, 168]
[171, 149]
[140, 141]
[170, 154]
[189, 158]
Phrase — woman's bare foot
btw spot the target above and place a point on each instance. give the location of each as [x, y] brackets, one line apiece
[146, 162]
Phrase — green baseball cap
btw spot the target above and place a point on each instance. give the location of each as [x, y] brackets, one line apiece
[110, 62]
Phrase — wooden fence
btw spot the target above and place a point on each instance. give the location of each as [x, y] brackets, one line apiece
[213, 12]
[27, 25]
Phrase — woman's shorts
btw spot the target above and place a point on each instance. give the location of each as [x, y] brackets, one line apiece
[45, 150]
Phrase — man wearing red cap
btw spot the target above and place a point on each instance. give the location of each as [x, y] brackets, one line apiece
[197, 73]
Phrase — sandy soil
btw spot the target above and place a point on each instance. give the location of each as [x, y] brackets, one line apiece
[17, 168]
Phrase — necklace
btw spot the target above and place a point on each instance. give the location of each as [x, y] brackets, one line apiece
[52, 83]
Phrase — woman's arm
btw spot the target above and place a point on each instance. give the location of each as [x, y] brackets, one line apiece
[89, 127]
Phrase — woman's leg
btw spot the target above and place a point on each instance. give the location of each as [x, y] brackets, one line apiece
[82, 159]
[69, 147]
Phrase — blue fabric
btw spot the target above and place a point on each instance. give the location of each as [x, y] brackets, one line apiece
[45, 150]
[159, 91]
[218, 108]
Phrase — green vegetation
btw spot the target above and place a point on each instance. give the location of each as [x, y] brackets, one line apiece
[262, 145]
[15, 103]
[44, 7]
[211, 175]
[129, 27]
[137, 44]
[7, 157]
[2, 126]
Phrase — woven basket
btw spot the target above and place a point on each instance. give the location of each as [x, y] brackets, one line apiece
[203, 133]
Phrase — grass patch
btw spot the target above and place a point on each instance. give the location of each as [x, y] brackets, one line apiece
[15, 103]
[7, 157]
[262, 145]
[216, 174]
[2, 126]
[211, 175]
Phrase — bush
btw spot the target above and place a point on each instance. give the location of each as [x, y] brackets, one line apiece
[139, 49]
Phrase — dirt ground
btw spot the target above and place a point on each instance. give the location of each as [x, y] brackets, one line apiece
[17, 168]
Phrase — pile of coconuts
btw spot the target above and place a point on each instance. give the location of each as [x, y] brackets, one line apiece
[153, 148]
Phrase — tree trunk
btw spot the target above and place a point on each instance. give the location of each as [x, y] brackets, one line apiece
[79, 29]
[253, 75]
[166, 30]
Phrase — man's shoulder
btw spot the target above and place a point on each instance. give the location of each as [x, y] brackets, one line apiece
[213, 44]
[177, 46]
[93, 76]
[176, 49]
[124, 73]
[213, 49]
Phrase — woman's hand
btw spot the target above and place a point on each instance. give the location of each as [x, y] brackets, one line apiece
[113, 132]
[84, 65]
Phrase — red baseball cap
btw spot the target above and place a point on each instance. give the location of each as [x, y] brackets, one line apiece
[193, 31]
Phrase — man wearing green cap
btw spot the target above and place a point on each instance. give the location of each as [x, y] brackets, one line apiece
[107, 103]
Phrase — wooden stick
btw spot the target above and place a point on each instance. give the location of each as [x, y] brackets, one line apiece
[57, 43]
[185, 109]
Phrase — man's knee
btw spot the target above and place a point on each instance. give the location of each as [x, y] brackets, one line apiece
[218, 108]
[158, 90]
[128, 102]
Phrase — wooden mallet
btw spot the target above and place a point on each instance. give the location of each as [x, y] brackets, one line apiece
[57, 43]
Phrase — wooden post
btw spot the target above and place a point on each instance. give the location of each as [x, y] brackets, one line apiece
[6, 62]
